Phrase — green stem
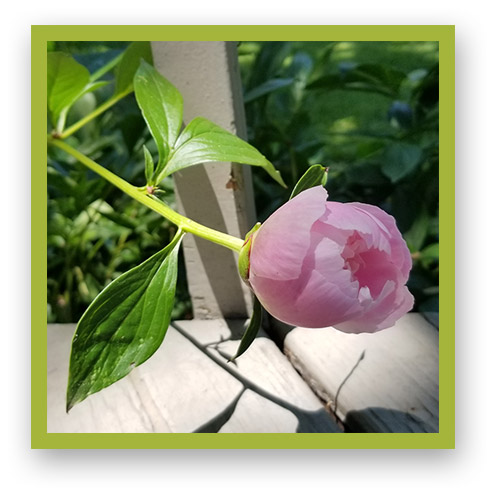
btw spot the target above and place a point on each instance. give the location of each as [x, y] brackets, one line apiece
[107, 67]
[184, 224]
[99, 110]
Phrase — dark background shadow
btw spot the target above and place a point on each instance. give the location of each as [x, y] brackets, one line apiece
[384, 420]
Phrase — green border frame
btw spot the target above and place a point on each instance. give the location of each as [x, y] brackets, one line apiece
[445, 438]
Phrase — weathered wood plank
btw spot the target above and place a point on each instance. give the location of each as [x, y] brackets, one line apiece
[383, 382]
[188, 386]
[267, 373]
[176, 390]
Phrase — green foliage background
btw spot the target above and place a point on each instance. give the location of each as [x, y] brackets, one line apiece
[96, 232]
[366, 110]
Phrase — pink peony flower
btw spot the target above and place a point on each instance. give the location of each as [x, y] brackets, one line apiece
[315, 264]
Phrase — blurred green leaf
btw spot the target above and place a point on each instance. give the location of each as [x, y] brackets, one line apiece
[161, 105]
[429, 256]
[415, 236]
[266, 88]
[149, 166]
[316, 175]
[129, 63]
[66, 81]
[431, 251]
[124, 326]
[120, 219]
[269, 61]
[364, 77]
[203, 141]
[400, 159]
[91, 87]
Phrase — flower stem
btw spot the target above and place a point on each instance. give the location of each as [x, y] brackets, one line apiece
[99, 110]
[107, 67]
[184, 224]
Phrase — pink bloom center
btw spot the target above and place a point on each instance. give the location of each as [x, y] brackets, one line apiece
[370, 267]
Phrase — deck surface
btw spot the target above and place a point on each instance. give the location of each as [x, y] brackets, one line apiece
[188, 386]
[326, 381]
[383, 382]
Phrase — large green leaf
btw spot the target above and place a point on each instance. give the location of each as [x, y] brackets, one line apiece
[203, 141]
[129, 63]
[66, 81]
[315, 175]
[124, 325]
[161, 105]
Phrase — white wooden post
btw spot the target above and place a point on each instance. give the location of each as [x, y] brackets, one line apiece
[207, 75]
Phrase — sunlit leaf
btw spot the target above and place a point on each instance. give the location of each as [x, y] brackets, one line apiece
[315, 175]
[161, 105]
[124, 325]
[66, 80]
[203, 141]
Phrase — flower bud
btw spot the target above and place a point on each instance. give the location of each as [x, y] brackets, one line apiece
[315, 264]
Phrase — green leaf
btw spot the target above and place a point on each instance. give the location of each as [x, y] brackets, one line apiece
[251, 331]
[267, 87]
[203, 141]
[316, 175]
[161, 105]
[416, 235]
[66, 81]
[400, 159]
[364, 77]
[431, 251]
[129, 63]
[429, 256]
[124, 325]
[91, 87]
[149, 166]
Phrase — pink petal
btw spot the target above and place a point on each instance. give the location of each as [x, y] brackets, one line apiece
[319, 304]
[399, 250]
[348, 217]
[322, 295]
[375, 270]
[382, 313]
[323, 303]
[280, 245]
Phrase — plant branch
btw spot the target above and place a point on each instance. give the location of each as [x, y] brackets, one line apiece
[98, 111]
[107, 67]
[185, 224]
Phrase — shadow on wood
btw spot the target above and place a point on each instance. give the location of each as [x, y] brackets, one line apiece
[384, 420]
